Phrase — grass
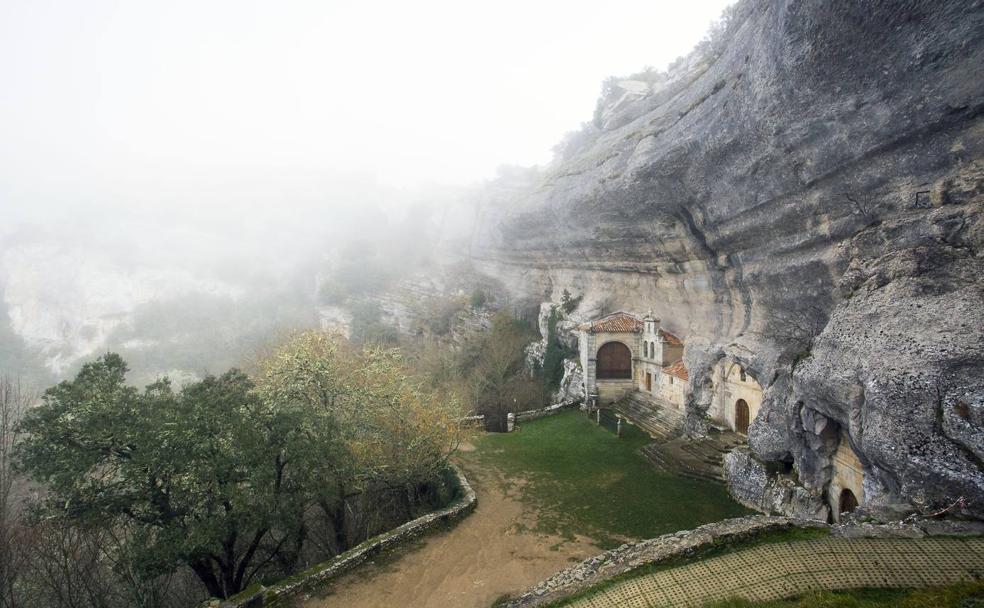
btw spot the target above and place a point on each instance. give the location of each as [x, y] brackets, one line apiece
[961, 595]
[587, 481]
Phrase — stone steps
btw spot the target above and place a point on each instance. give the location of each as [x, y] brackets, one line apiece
[694, 458]
[660, 421]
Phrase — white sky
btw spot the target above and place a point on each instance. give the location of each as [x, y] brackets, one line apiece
[139, 101]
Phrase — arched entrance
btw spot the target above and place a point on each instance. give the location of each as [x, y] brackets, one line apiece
[614, 361]
[848, 502]
[741, 417]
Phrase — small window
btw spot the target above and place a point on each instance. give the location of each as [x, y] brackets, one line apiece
[741, 373]
[671, 379]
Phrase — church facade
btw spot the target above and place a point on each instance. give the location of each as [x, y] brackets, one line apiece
[621, 353]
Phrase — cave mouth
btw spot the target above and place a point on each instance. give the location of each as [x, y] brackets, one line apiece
[848, 502]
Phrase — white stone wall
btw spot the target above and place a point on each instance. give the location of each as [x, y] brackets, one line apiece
[728, 389]
[672, 389]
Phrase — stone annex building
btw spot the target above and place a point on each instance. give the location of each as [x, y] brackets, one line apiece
[636, 367]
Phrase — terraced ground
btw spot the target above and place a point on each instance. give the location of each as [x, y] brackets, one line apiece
[778, 570]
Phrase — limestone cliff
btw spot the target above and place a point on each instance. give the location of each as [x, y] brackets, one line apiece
[804, 195]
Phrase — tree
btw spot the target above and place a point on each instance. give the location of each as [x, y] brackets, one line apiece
[397, 435]
[865, 205]
[209, 477]
[14, 401]
[555, 353]
[570, 303]
[499, 382]
[224, 475]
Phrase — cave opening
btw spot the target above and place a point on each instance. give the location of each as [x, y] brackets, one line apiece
[848, 502]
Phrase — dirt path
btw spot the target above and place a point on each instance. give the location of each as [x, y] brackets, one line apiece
[490, 553]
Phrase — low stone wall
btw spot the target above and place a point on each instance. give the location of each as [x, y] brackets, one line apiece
[479, 420]
[546, 411]
[599, 568]
[318, 576]
[630, 556]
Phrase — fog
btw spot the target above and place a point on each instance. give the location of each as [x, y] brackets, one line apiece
[170, 149]
[190, 102]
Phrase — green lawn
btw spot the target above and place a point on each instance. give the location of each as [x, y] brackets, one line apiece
[963, 595]
[585, 480]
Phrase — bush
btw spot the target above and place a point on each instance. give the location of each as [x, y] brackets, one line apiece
[569, 304]
[553, 358]
[479, 298]
[367, 326]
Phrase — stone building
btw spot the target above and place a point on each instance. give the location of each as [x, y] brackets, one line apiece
[673, 384]
[737, 396]
[846, 490]
[621, 353]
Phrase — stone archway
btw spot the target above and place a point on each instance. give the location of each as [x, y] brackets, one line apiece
[741, 417]
[614, 361]
[847, 502]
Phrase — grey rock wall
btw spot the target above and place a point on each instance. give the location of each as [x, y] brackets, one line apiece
[806, 198]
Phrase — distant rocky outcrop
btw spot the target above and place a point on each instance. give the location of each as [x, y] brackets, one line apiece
[802, 195]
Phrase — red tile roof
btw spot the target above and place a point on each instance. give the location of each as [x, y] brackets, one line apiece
[670, 338]
[678, 370]
[617, 323]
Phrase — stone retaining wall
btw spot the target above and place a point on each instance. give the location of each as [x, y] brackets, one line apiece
[479, 420]
[630, 556]
[545, 411]
[317, 576]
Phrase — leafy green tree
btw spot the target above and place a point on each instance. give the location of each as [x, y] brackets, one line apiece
[223, 476]
[210, 477]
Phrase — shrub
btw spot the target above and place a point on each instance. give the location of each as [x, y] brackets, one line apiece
[569, 304]
[479, 298]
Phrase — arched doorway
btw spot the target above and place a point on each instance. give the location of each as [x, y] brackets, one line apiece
[741, 417]
[614, 361]
[848, 502]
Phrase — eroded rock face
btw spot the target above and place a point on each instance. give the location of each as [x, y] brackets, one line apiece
[806, 200]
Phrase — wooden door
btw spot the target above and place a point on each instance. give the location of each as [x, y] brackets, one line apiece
[741, 417]
[614, 361]
[649, 382]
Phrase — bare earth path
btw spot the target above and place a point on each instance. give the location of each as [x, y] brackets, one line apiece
[774, 571]
[490, 553]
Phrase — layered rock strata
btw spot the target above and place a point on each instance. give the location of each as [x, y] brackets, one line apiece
[802, 195]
